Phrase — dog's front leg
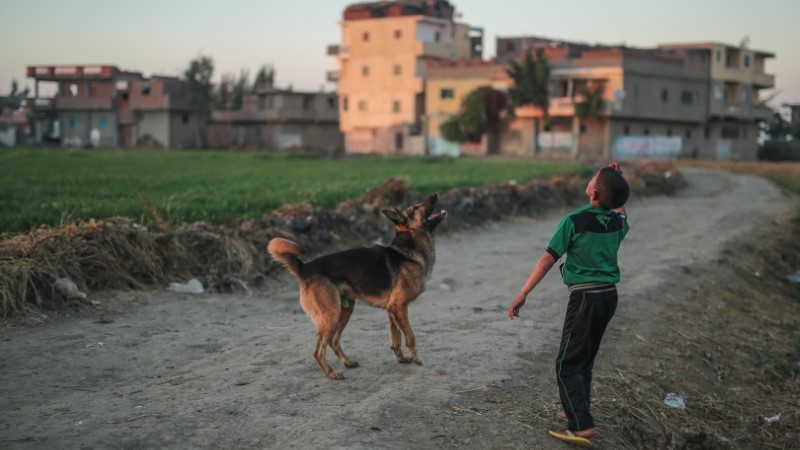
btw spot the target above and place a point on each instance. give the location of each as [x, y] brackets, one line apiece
[400, 316]
[394, 334]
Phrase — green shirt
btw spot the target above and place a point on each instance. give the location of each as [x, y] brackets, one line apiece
[590, 237]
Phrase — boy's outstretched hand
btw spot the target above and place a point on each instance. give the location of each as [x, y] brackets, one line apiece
[516, 305]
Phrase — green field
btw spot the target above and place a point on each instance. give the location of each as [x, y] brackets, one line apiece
[57, 186]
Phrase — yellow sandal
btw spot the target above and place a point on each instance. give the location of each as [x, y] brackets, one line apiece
[570, 438]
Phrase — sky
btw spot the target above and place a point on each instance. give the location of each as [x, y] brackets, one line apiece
[161, 37]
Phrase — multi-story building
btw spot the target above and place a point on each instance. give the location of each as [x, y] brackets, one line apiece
[279, 119]
[103, 106]
[657, 102]
[446, 86]
[381, 69]
[735, 76]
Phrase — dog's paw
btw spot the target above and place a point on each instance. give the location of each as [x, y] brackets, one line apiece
[336, 376]
[350, 364]
[404, 360]
[417, 360]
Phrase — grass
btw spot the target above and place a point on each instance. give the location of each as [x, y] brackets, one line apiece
[55, 186]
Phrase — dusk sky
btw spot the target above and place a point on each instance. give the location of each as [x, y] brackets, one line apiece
[160, 37]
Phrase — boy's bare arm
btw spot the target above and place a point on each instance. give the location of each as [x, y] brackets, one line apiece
[543, 266]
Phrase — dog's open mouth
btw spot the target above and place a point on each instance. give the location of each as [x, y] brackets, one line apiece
[434, 214]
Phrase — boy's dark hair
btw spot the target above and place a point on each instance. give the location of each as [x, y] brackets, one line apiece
[612, 188]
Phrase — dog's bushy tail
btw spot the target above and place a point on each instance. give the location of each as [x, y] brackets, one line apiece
[286, 252]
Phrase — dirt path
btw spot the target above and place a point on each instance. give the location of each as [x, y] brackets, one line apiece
[232, 372]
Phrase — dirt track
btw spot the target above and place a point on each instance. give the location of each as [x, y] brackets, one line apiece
[237, 372]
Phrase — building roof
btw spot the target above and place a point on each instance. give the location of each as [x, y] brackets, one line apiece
[442, 9]
[710, 45]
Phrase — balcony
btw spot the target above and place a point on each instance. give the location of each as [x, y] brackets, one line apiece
[763, 80]
[41, 103]
[436, 49]
[84, 102]
[334, 76]
[562, 106]
[338, 50]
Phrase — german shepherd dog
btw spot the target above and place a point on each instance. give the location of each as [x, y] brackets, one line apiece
[387, 277]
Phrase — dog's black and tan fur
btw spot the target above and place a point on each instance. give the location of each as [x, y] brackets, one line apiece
[387, 277]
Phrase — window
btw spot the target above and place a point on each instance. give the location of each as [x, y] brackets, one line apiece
[729, 133]
[510, 46]
[398, 34]
[396, 106]
[365, 36]
[73, 123]
[262, 103]
[102, 123]
[688, 133]
[398, 141]
[437, 36]
[627, 130]
[397, 69]
[308, 102]
[583, 128]
[719, 55]
[717, 91]
[669, 132]
[744, 94]
[344, 103]
[447, 93]
[744, 132]
[664, 95]
[646, 131]
[362, 105]
[687, 98]
[185, 118]
[746, 61]
[707, 132]
[146, 89]
[365, 71]
[124, 96]
[331, 102]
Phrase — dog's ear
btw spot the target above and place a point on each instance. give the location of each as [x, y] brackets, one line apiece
[395, 215]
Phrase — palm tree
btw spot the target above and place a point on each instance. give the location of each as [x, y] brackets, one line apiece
[591, 104]
[531, 85]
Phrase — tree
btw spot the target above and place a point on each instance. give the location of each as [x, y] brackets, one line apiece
[776, 128]
[531, 84]
[590, 104]
[482, 111]
[265, 79]
[200, 89]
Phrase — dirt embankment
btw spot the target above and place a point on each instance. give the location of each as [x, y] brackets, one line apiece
[121, 254]
[705, 311]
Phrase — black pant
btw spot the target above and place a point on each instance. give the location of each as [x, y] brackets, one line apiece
[588, 313]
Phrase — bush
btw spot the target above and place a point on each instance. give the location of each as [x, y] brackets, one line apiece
[774, 150]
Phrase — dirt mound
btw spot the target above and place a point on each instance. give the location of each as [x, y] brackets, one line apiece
[121, 254]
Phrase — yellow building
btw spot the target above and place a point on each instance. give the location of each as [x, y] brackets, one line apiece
[381, 69]
[447, 85]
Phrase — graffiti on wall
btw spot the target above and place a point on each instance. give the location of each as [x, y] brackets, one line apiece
[647, 147]
[555, 140]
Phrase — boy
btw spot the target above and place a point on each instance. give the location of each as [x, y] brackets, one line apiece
[590, 237]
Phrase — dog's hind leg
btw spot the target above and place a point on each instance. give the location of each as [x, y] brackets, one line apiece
[320, 300]
[400, 314]
[348, 304]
